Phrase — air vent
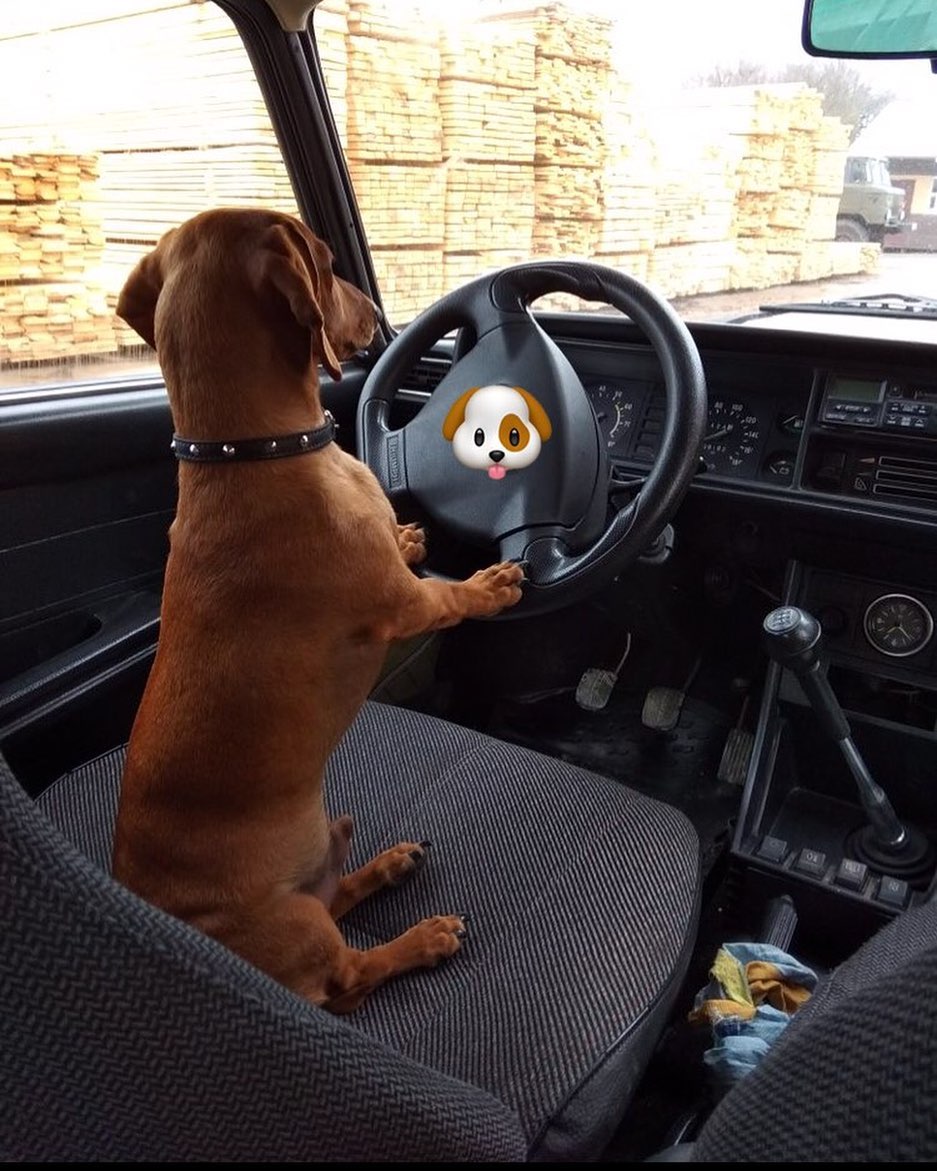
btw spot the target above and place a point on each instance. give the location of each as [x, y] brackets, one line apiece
[426, 375]
[900, 478]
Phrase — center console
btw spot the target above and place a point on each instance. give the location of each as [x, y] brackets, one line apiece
[855, 718]
[859, 443]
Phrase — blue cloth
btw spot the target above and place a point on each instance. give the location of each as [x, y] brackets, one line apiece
[743, 1026]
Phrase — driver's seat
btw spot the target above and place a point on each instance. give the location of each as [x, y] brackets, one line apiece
[129, 1036]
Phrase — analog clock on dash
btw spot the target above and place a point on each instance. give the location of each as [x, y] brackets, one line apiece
[898, 625]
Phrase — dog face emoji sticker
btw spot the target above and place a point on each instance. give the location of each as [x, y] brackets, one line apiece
[496, 429]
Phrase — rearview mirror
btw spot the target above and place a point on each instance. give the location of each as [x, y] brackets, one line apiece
[870, 28]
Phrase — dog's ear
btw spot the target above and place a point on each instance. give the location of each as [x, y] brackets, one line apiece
[137, 301]
[456, 415]
[288, 263]
[538, 416]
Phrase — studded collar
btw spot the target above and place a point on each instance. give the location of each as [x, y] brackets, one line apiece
[269, 447]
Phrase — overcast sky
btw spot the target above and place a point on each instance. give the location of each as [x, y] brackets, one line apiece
[695, 35]
[658, 39]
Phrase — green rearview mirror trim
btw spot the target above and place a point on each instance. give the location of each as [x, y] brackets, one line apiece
[870, 28]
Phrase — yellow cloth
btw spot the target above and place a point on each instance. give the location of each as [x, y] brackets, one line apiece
[744, 987]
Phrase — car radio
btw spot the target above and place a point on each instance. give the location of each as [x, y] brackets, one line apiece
[880, 404]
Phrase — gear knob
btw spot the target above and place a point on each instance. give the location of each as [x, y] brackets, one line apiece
[792, 637]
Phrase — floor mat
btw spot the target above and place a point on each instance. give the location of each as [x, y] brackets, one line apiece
[679, 767]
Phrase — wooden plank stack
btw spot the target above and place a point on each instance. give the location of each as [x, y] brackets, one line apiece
[489, 127]
[573, 74]
[468, 151]
[330, 28]
[51, 305]
[394, 148]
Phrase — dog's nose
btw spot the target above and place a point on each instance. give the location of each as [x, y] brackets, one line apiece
[496, 456]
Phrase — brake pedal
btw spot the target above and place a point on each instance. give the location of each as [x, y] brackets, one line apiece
[663, 705]
[597, 683]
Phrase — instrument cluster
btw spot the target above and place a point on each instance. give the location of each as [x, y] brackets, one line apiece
[631, 418]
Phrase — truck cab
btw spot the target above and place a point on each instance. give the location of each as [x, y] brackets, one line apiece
[871, 206]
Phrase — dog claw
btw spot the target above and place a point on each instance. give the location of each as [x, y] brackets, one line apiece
[426, 845]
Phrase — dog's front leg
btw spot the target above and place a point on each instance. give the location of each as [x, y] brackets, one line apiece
[388, 869]
[432, 604]
[411, 541]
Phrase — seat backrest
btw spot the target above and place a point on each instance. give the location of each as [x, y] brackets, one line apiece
[853, 1078]
[129, 1036]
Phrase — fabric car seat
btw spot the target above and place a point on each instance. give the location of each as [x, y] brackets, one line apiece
[853, 1077]
[129, 1036]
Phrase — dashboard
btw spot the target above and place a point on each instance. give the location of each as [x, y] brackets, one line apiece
[828, 426]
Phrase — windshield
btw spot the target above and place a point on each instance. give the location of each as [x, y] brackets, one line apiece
[695, 146]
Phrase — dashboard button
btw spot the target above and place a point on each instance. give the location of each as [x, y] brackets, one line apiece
[831, 468]
[791, 424]
[851, 873]
[893, 891]
[811, 862]
[772, 849]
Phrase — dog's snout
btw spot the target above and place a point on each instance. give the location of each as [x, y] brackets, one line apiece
[496, 456]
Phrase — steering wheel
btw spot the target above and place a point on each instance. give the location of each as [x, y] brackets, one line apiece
[507, 454]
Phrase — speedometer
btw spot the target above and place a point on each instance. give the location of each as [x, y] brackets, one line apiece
[733, 437]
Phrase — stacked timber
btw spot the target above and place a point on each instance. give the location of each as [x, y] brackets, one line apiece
[489, 126]
[573, 73]
[177, 120]
[330, 26]
[51, 305]
[629, 196]
[394, 149]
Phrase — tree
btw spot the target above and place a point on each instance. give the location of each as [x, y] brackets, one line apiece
[846, 94]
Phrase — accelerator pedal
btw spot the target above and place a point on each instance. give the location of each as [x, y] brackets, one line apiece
[736, 753]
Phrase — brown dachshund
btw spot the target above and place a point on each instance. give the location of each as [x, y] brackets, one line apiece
[288, 576]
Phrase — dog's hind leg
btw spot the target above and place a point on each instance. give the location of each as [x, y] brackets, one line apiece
[296, 941]
[388, 868]
[358, 973]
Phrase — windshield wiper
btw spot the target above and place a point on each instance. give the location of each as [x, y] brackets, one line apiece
[877, 305]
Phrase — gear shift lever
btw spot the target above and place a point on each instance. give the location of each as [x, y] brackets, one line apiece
[792, 637]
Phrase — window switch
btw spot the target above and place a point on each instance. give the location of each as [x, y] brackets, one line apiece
[851, 874]
[811, 862]
[893, 891]
[772, 849]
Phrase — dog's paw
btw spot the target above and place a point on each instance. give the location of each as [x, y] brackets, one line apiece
[498, 587]
[400, 861]
[437, 937]
[411, 540]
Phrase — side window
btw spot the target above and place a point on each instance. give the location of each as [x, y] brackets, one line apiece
[118, 119]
